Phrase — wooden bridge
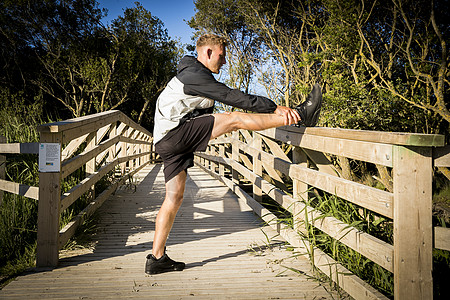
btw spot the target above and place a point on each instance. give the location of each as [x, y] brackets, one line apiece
[229, 251]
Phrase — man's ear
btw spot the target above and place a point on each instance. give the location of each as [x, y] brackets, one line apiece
[209, 53]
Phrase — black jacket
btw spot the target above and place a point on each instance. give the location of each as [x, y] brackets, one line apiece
[192, 92]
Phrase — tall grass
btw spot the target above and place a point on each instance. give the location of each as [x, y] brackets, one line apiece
[18, 215]
[363, 220]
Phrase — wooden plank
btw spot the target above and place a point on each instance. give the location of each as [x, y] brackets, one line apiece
[257, 166]
[360, 150]
[212, 234]
[24, 148]
[90, 165]
[247, 136]
[369, 246]
[299, 191]
[109, 116]
[352, 284]
[221, 154]
[275, 148]
[19, 189]
[442, 238]
[413, 232]
[2, 166]
[253, 151]
[126, 120]
[321, 162]
[48, 211]
[69, 230]
[76, 162]
[83, 186]
[382, 137]
[72, 147]
[441, 156]
[94, 125]
[371, 198]
[235, 155]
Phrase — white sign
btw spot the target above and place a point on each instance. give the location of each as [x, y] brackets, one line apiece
[49, 157]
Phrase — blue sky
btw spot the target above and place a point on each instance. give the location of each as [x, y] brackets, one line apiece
[171, 12]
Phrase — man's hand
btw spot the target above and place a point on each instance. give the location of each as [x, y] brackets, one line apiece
[290, 115]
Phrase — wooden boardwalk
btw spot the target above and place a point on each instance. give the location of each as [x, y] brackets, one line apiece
[229, 254]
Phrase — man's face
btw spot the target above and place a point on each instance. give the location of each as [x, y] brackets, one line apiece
[217, 58]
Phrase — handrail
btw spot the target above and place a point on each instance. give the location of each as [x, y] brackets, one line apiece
[381, 137]
[301, 154]
[25, 190]
[99, 144]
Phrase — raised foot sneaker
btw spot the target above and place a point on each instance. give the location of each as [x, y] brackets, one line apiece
[161, 265]
[309, 110]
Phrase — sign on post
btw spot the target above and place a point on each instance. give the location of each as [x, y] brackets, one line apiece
[49, 157]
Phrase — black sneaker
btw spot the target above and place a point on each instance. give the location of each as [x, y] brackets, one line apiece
[161, 265]
[309, 110]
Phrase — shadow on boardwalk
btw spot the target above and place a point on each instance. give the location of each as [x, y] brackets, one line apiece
[228, 252]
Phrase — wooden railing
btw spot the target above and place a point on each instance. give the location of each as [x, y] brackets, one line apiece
[270, 158]
[97, 145]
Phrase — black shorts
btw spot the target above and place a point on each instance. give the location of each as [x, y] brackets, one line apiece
[177, 147]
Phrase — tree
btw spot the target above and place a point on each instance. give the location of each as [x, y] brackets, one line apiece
[224, 18]
[83, 65]
[147, 60]
[381, 64]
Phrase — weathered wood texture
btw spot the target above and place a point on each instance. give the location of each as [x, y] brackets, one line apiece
[407, 204]
[106, 140]
[2, 168]
[48, 211]
[228, 252]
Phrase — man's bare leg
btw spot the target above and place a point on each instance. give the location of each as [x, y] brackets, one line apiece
[167, 212]
[228, 122]
[223, 123]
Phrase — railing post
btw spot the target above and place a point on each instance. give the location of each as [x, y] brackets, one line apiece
[113, 149]
[300, 191]
[123, 153]
[413, 232]
[2, 166]
[235, 157]
[90, 165]
[48, 211]
[257, 166]
[222, 154]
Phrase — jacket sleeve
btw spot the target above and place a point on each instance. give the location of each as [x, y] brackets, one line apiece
[200, 82]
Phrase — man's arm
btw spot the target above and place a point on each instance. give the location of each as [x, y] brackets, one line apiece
[202, 83]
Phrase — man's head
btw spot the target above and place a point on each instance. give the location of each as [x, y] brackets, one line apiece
[211, 50]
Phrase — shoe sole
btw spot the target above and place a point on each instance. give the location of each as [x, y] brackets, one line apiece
[164, 270]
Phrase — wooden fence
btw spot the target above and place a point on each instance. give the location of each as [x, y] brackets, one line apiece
[99, 145]
[109, 142]
[270, 158]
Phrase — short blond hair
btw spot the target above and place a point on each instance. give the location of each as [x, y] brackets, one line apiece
[211, 40]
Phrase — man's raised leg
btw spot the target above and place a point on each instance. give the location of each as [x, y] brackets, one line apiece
[228, 122]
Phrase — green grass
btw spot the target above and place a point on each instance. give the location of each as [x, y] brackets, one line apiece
[18, 214]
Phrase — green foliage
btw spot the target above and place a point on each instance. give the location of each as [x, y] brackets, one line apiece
[361, 219]
[18, 215]
[78, 66]
[381, 65]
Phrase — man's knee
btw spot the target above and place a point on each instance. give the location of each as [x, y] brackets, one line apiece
[174, 198]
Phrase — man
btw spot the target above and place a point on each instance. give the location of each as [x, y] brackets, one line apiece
[184, 124]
